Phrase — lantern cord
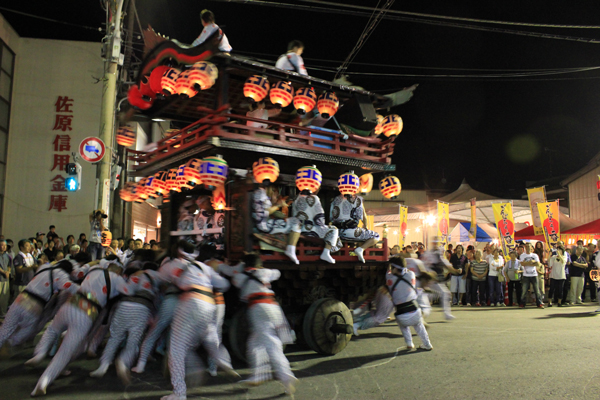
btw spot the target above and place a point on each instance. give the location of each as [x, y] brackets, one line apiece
[374, 21]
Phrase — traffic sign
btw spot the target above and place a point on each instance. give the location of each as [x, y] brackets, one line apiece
[92, 149]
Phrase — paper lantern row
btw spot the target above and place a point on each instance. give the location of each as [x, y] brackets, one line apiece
[281, 94]
[211, 171]
[168, 81]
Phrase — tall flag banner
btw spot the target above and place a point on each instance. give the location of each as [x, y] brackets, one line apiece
[403, 224]
[503, 216]
[473, 229]
[536, 195]
[443, 222]
[550, 222]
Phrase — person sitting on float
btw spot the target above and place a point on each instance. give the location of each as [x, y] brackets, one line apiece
[205, 217]
[268, 217]
[309, 211]
[347, 211]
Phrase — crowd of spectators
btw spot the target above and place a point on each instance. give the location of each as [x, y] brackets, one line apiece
[536, 274]
[19, 262]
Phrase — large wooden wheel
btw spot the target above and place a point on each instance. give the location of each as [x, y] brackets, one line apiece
[327, 326]
[239, 330]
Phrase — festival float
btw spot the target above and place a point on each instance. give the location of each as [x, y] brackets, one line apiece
[207, 172]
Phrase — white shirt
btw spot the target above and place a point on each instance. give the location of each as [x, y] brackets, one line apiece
[209, 30]
[403, 292]
[291, 62]
[249, 286]
[558, 268]
[416, 266]
[495, 264]
[258, 114]
[529, 270]
[40, 284]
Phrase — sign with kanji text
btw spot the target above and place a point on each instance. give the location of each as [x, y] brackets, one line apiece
[92, 149]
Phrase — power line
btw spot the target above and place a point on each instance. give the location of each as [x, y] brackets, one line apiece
[415, 20]
[330, 69]
[366, 33]
[478, 20]
[99, 29]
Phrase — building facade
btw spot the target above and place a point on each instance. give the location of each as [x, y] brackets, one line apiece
[584, 203]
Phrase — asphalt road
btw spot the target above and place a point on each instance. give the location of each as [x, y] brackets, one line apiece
[486, 353]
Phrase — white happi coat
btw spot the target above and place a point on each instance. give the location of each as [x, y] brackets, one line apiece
[308, 210]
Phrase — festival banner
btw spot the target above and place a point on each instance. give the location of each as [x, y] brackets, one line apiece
[550, 218]
[536, 195]
[505, 223]
[473, 229]
[443, 222]
[403, 224]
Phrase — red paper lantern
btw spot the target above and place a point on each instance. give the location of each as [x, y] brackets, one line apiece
[136, 99]
[392, 125]
[159, 183]
[305, 100]
[348, 183]
[126, 136]
[172, 181]
[203, 75]
[256, 87]
[168, 81]
[265, 168]
[328, 104]
[213, 171]
[308, 178]
[156, 77]
[183, 85]
[142, 190]
[192, 172]
[128, 193]
[390, 187]
[282, 94]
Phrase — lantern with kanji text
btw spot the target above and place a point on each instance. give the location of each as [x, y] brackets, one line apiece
[172, 182]
[126, 136]
[265, 169]
[348, 183]
[366, 183]
[305, 100]
[308, 178]
[282, 94]
[392, 125]
[142, 190]
[256, 87]
[390, 187]
[213, 171]
[106, 238]
[328, 104]
[203, 75]
[168, 81]
[183, 86]
[159, 183]
[127, 192]
[192, 172]
[218, 198]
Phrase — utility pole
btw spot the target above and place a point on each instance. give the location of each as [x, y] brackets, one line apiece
[113, 59]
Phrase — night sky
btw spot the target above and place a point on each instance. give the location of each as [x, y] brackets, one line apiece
[495, 132]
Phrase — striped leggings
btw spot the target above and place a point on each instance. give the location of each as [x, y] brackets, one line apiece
[166, 311]
[130, 319]
[264, 344]
[77, 324]
[20, 323]
[193, 325]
